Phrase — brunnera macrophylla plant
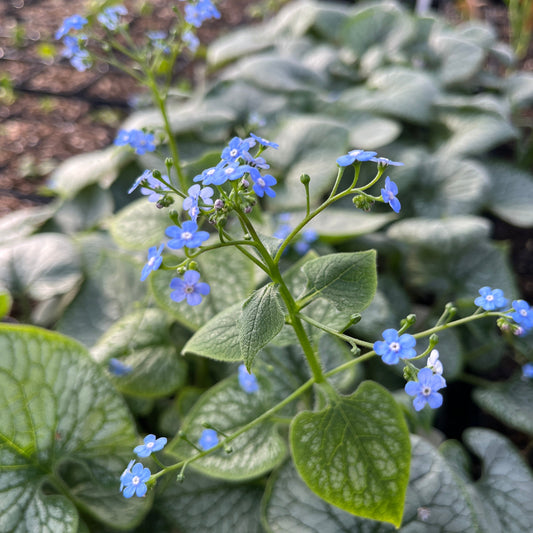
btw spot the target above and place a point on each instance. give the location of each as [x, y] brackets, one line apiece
[352, 451]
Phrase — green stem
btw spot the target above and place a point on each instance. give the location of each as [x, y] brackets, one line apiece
[292, 307]
[265, 416]
[327, 329]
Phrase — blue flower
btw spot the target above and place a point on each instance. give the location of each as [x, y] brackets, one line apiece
[151, 444]
[195, 14]
[491, 299]
[264, 142]
[247, 380]
[208, 439]
[75, 22]
[213, 175]
[527, 371]
[236, 148]
[157, 38]
[137, 139]
[109, 17]
[523, 314]
[262, 184]
[389, 195]
[118, 368]
[133, 480]
[187, 235]
[191, 41]
[189, 288]
[154, 261]
[384, 162]
[425, 389]
[395, 347]
[353, 156]
[79, 57]
[196, 193]
[309, 236]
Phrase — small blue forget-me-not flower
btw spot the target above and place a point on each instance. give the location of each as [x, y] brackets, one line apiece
[395, 347]
[425, 389]
[247, 380]
[189, 288]
[188, 235]
[491, 299]
[208, 439]
[133, 480]
[389, 195]
[151, 444]
[154, 261]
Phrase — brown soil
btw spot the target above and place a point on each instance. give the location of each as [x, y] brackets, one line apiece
[48, 110]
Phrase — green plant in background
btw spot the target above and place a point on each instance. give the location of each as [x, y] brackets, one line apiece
[521, 25]
[306, 424]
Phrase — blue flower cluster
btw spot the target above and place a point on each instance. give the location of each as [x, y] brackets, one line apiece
[236, 161]
[139, 140]
[133, 480]
[429, 379]
[109, 17]
[74, 49]
[197, 12]
[520, 312]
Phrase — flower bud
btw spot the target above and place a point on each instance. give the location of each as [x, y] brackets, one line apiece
[156, 174]
[305, 179]
[363, 202]
[219, 204]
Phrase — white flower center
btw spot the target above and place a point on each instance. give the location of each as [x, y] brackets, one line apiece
[233, 153]
[151, 261]
[187, 235]
[136, 480]
[426, 391]
[261, 182]
[189, 289]
[229, 170]
[523, 312]
[150, 445]
[394, 346]
[210, 172]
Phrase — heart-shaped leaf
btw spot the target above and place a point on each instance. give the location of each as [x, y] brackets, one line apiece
[63, 427]
[355, 453]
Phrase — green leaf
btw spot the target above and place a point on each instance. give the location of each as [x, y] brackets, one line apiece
[204, 504]
[355, 453]
[5, 302]
[461, 60]
[510, 196]
[336, 225]
[81, 170]
[311, 144]
[23, 222]
[124, 227]
[348, 280]
[110, 288]
[63, 427]
[475, 133]
[503, 492]
[142, 341]
[510, 402]
[41, 266]
[274, 72]
[219, 338]
[230, 275]
[261, 320]
[520, 89]
[227, 407]
[398, 92]
[434, 487]
[85, 211]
